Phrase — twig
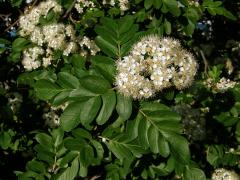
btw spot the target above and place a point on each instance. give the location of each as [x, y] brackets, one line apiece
[204, 61]
[13, 24]
[73, 20]
[95, 177]
[69, 9]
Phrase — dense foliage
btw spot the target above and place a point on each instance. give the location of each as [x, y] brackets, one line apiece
[118, 89]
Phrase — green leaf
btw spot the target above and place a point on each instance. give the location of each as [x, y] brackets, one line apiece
[90, 109]
[214, 154]
[67, 158]
[46, 90]
[99, 152]
[86, 156]
[74, 144]
[36, 166]
[71, 116]
[44, 140]
[4, 41]
[106, 66]
[237, 132]
[16, 3]
[226, 119]
[19, 44]
[125, 24]
[164, 149]
[95, 84]
[189, 29]
[5, 140]
[172, 6]
[107, 47]
[167, 27]
[143, 133]
[229, 15]
[153, 139]
[120, 151]
[192, 15]
[57, 136]
[157, 4]
[109, 102]
[124, 106]
[78, 61]
[148, 3]
[194, 174]
[71, 172]
[162, 169]
[67, 81]
[132, 127]
[60, 98]
[81, 94]
[179, 147]
[79, 132]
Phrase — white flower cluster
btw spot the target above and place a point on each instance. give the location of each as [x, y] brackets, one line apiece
[111, 2]
[223, 174]
[85, 42]
[81, 4]
[123, 5]
[193, 3]
[52, 115]
[49, 38]
[153, 64]
[30, 19]
[14, 101]
[221, 86]
[31, 56]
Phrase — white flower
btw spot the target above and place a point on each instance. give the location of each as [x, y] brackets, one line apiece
[153, 64]
[223, 174]
[31, 58]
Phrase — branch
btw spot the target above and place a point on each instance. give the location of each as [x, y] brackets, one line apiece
[69, 9]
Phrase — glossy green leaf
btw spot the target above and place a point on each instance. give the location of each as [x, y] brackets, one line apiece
[106, 66]
[95, 84]
[19, 44]
[172, 6]
[106, 46]
[36, 166]
[153, 139]
[75, 144]
[46, 89]
[5, 140]
[71, 172]
[86, 156]
[60, 98]
[108, 105]
[125, 24]
[90, 109]
[167, 27]
[179, 147]
[80, 132]
[194, 174]
[148, 3]
[44, 140]
[67, 81]
[71, 116]
[78, 61]
[124, 106]
[143, 133]
[163, 146]
[67, 158]
[81, 94]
